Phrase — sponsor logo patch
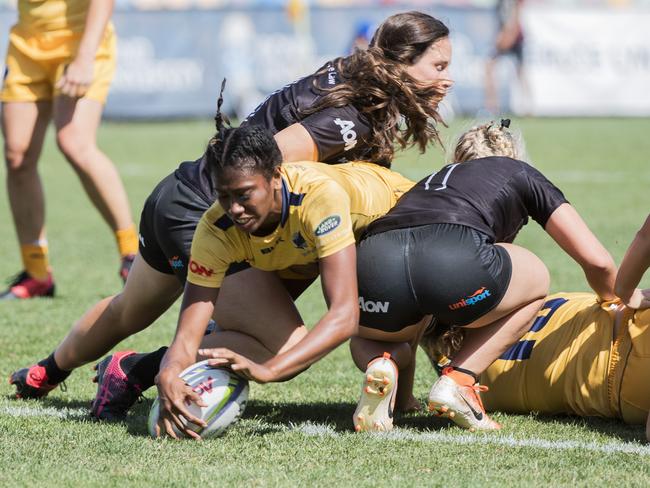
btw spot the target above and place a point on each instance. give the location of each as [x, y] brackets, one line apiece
[200, 270]
[479, 295]
[176, 262]
[349, 136]
[328, 225]
[371, 306]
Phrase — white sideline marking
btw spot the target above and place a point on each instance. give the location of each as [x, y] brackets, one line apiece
[62, 413]
[323, 430]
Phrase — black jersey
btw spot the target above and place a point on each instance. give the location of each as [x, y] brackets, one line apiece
[494, 195]
[196, 175]
[340, 133]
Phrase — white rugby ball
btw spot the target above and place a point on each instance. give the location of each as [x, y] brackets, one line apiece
[223, 392]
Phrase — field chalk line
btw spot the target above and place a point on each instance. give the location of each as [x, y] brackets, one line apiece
[324, 430]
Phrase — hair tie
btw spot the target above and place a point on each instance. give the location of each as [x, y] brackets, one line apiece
[505, 123]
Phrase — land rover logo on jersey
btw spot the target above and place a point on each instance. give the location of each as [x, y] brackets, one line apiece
[349, 136]
[328, 225]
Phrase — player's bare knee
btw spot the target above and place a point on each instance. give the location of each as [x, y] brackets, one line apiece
[75, 149]
[16, 159]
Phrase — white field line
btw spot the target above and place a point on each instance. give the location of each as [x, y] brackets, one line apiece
[62, 413]
[323, 430]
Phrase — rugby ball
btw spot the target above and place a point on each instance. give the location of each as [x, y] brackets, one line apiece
[223, 392]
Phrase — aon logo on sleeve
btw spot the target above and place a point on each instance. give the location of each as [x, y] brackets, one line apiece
[347, 132]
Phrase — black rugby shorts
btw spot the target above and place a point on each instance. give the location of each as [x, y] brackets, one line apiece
[450, 271]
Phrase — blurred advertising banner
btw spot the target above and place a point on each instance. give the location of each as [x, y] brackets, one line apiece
[588, 61]
[585, 61]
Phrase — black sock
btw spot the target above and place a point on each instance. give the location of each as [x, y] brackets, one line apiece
[143, 367]
[55, 374]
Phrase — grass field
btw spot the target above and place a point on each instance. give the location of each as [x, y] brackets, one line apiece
[299, 433]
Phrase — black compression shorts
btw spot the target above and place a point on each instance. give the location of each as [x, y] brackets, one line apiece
[450, 271]
[167, 224]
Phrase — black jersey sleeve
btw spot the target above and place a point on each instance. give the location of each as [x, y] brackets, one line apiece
[340, 133]
[542, 197]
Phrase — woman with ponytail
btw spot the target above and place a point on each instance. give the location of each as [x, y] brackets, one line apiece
[358, 107]
[445, 251]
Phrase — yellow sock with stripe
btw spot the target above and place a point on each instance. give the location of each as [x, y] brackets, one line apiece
[127, 241]
[36, 260]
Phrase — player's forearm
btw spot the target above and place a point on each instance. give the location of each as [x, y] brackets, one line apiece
[337, 326]
[633, 266]
[99, 14]
[602, 281]
[196, 311]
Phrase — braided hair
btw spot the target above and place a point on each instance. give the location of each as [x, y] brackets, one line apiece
[489, 140]
[247, 149]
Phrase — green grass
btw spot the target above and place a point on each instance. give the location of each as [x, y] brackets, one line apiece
[298, 433]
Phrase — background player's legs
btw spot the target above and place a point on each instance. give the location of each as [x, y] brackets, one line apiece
[76, 122]
[23, 126]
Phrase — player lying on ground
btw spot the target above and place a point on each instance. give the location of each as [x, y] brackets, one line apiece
[410, 51]
[580, 357]
[446, 250]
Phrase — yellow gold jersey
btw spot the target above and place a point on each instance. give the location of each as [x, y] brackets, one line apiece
[571, 362]
[52, 15]
[324, 209]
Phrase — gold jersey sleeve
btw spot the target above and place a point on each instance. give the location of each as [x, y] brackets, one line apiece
[325, 218]
[324, 209]
[215, 246]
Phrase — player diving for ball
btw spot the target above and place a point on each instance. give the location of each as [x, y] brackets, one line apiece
[406, 71]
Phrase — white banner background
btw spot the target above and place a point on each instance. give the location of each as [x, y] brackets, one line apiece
[585, 61]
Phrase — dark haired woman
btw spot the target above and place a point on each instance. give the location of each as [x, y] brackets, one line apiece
[293, 222]
[405, 72]
[445, 250]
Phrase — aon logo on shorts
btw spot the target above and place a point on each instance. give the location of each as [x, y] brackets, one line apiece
[373, 307]
[349, 136]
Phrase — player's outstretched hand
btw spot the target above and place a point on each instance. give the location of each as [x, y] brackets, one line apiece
[175, 395]
[239, 364]
[639, 299]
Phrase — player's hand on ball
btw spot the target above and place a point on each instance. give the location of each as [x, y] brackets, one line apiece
[175, 395]
[239, 364]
